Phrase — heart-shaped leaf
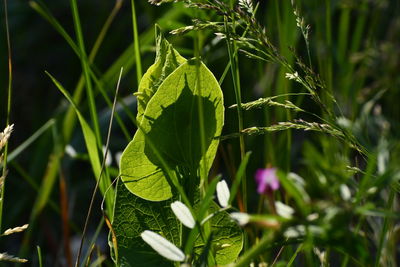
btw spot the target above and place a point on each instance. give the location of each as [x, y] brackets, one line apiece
[172, 124]
[132, 216]
[167, 60]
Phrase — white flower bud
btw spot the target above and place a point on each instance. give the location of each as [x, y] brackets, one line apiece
[284, 210]
[183, 214]
[241, 218]
[345, 192]
[70, 151]
[223, 193]
[162, 246]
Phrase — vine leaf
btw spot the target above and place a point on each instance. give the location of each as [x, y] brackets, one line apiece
[227, 237]
[171, 123]
[132, 216]
[180, 116]
[167, 60]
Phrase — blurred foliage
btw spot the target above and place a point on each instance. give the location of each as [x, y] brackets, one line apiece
[353, 46]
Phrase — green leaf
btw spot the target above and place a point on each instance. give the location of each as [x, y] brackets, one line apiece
[180, 114]
[132, 216]
[167, 60]
[171, 124]
[227, 237]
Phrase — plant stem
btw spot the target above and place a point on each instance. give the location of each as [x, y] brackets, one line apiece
[283, 83]
[70, 117]
[103, 168]
[85, 68]
[256, 250]
[236, 85]
[39, 252]
[136, 43]
[4, 173]
[329, 62]
[385, 228]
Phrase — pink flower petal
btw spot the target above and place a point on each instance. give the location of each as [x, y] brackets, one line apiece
[267, 180]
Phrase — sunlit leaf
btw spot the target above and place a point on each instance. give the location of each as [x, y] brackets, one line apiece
[171, 123]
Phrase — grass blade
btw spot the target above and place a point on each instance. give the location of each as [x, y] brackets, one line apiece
[85, 68]
[90, 141]
[9, 91]
[16, 152]
[136, 43]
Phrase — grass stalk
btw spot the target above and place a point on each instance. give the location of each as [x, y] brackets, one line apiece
[29, 141]
[206, 231]
[329, 62]
[294, 256]
[110, 104]
[236, 85]
[136, 43]
[92, 242]
[9, 92]
[85, 68]
[343, 34]
[282, 82]
[39, 252]
[255, 251]
[100, 175]
[65, 218]
[384, 233]
[351, 87]
[70, 117]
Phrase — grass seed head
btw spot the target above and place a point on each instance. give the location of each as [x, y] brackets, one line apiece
[16, 229]
[5, 135]
[7, 257]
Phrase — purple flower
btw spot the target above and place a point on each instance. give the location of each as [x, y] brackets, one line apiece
[267, 180]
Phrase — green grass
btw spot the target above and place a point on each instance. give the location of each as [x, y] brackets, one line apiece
[335, 125]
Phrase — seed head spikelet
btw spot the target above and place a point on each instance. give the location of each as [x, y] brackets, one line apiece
[7, 257]
[16, 229]
[5, 135]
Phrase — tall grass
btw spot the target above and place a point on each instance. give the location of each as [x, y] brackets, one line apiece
[8, 105]
[326, 73]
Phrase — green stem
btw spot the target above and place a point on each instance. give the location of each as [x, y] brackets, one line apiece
[70, 117]
[4, 173]
[236, 85]
[206, 230]
[343, 35]
[39, 252]
[284, 83]
[329, 54]
[385, 228]
[294, 256]
[203, 172]
[86, 73]
[357, 230]
[255, 251]
[136, 43]
[104, 30]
